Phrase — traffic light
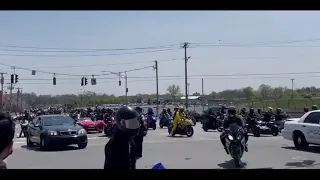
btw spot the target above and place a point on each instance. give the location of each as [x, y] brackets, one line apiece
[12, 78]
[17, 79]
[85, 81]
[54, 81]
[82, 79]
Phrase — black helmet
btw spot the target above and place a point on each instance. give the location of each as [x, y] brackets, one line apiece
[314, 107]
[306, 109]
[175, 109]
[127, 120]
[251, 110]
[232, 110]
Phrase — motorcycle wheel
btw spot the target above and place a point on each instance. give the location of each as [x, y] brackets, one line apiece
[237, 162]
[275, 132]
[194, 122]
[205, 128]
[154, 127]
[190, 132]
[161, 125]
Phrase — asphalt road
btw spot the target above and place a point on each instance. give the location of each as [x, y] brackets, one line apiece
[202, 151]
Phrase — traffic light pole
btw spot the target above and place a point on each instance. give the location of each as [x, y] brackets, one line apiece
[2, 82]
[18, 98]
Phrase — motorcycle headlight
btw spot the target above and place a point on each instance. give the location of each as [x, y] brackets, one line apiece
[230, 137]
[53, 133]
[82, 131]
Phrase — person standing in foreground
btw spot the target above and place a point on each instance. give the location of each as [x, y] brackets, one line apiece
[7, 129]
[121, 151]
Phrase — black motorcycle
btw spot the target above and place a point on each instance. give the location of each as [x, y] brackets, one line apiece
[235, 143]
[110, 126]
[214, 123]
[265, 128]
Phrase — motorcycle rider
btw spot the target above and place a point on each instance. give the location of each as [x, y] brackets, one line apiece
[120, 151]
[233, 118]
[279, 116]
[314, 107]
[175, 110]
[243, 113]
[251, 118]
[268, 115]
[305, 110]
[169, 112]
[179, 116]
[259, 112]
[150, 112]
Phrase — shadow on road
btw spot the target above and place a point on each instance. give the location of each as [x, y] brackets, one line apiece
[311, 149]
[230, 165]
[261, 135]
[304, 163]
[62, 148]
[103, 135]
[178, 136]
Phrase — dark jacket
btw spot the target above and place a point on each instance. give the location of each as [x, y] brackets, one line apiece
[230, 120]
[120, 152]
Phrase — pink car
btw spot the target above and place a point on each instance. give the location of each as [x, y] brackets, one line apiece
[90, 125]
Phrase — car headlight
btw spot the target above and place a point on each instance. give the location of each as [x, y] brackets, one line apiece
[82, 131]
[53, 133]
[230, 137]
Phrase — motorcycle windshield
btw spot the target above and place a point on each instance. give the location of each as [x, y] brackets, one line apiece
[235, 129]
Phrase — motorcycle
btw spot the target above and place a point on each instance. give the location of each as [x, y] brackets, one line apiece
[184, 128]
[152, 122]
[215, 124]
[110, 126]
[165, 120]
[145, 125]
[265, 128]
[235, 143]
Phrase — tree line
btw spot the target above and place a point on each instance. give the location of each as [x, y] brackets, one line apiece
[252, 97]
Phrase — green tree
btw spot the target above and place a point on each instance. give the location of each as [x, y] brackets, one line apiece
[174, 91]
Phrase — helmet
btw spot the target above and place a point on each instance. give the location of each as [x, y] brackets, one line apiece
[278, 110]
[175, 109]
[314, 107]
[270, 109]
[127, 120]
[169, 110]
[232, 111]
[259, 110]
[164, 110]
[181, 108]
[243, 109]
[251, 110]
[306, 109]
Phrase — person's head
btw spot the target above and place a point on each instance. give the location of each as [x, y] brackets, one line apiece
[7, 130]
[150, 110]
[314, 107]
[251, 110]
[127, 121]
[232, 111]
[168, 110]
[243, 110]
[175, 109]
[181, 109]
[259, 110]
[270, 109]
[164, 111]
[278, 110]
[305, 109]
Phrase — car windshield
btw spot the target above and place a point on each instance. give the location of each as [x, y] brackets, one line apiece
[57, 120]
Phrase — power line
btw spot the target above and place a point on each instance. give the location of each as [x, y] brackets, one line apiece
[169, 79]
[64, 74]
[90, 55]
[91, 49]
[99, 65]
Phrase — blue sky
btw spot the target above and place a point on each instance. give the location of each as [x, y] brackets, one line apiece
[131, 29]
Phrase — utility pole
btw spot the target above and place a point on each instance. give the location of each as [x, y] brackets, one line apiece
[10, 87]
[185, 46]
[292, 88]
[126, 86]
[2, 82]
[202, 93]
[188, 88]
[157, 84]
[21, 99]
[18, 98]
